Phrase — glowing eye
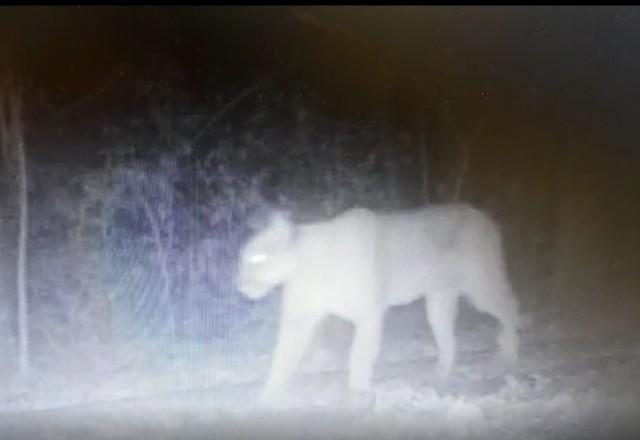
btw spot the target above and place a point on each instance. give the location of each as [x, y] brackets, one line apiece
[259, 258]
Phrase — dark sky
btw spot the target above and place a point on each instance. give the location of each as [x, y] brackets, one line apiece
[356, 60]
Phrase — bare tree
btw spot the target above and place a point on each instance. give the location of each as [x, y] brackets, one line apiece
[151, 188]
[14, 155]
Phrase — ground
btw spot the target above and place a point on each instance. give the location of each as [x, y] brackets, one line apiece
[573, 381]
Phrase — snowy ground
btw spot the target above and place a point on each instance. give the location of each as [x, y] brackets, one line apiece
[573, 382]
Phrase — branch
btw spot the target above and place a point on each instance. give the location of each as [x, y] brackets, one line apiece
[71, 107]
[248, 91]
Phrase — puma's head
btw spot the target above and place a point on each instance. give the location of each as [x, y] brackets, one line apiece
[265, 260]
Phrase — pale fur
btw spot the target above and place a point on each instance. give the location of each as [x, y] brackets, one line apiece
[359, 263]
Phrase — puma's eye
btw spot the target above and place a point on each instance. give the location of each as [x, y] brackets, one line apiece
[258, 258]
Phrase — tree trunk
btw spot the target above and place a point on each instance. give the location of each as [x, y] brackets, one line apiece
[23, 316]
[13, 149]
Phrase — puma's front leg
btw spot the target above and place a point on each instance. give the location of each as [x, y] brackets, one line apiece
[366, 346]
[294, 336]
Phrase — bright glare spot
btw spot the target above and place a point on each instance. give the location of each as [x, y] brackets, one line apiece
[258, 258]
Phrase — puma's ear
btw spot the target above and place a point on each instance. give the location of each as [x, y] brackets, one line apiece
[282, 225]
[264, 217]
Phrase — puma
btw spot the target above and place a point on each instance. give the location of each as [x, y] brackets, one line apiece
[359, 263]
